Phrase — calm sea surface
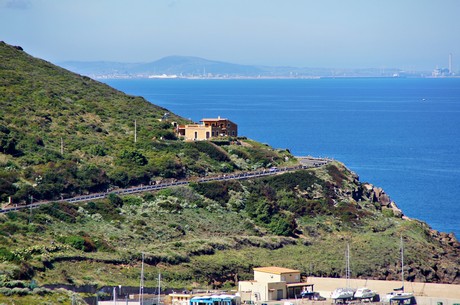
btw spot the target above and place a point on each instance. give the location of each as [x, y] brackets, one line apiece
[399, 134]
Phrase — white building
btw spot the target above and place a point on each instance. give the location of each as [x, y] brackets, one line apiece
[273, 283]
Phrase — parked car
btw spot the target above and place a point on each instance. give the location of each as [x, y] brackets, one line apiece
[311, 295]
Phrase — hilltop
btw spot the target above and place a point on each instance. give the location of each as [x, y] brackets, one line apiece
[202, 235]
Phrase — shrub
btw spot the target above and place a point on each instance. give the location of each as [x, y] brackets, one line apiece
[217, 191]
[282, 225]
[14, 284]
[20, 291]
[170, 204]
[288, 181]
[119, 177]
[12, 227]
[77, 242]
[115, 200]
[212, 150]
[7, 187]
[104, 209]
[25, 271]
[7, 255]
[8, 141]
[336, 174]
[91, 179]
[41, 291]
[132, 156]
[102, 245]
[97, 150]
[65, 212]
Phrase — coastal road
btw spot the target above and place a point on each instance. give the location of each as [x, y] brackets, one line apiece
[305, 162]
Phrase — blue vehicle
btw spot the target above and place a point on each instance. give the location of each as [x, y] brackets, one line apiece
[216, 300]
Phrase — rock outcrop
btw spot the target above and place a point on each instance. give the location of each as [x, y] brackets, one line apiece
[376, 195]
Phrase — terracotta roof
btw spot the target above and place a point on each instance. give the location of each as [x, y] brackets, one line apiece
[276, 270]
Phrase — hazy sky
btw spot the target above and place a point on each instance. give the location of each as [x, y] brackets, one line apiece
[408, 34]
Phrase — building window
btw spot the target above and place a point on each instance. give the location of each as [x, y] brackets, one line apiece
[279, 294]
[196, 135]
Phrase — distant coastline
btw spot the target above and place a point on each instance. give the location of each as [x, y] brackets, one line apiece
[186, 67]
[108, 77]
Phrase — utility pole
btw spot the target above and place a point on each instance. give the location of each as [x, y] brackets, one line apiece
[141, 285]
[402, 263]
[159, 288]
[30, 214]
[62, 146]
[135, 131]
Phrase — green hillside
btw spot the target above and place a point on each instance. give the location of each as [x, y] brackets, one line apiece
[201, 235]
[62, 135]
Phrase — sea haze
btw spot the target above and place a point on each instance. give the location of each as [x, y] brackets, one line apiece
[399, 134]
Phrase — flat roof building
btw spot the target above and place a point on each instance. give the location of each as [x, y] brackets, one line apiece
[273, 283]
[207, 129]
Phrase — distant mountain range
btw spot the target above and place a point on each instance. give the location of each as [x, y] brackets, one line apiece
[196, 67]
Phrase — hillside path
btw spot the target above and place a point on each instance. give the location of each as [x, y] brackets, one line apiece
[305, 163]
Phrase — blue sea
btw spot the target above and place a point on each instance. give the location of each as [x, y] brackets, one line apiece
[399, 134]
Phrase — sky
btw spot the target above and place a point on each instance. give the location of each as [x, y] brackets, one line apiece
[405, 34]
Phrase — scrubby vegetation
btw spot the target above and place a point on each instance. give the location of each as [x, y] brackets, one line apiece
[202, 235]
[62, 135]
[208, 233]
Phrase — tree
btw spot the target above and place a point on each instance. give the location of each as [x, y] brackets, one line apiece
[115, 200]
[132, 156]
[7, 141]
[282, 225]
[92, 179]
[7, 180]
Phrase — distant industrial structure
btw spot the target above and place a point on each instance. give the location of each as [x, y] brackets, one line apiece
[443, 72]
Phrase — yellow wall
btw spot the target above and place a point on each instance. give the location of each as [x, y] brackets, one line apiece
[261, 291]
[197, 132]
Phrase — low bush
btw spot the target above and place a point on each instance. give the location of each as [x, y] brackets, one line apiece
[83, 243]
[212, 150]
[217, 191]
[7, 255]
[21, 291]
[41, 291]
